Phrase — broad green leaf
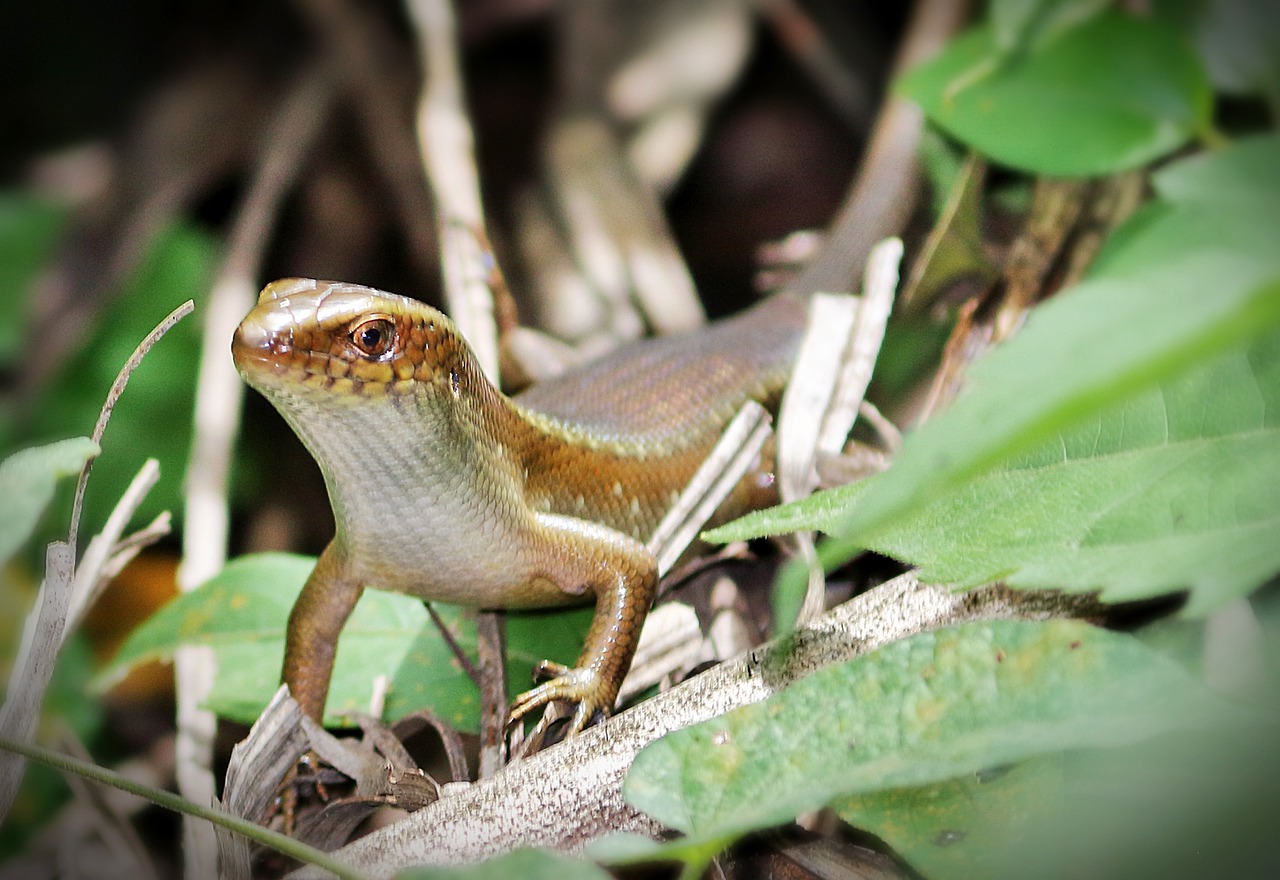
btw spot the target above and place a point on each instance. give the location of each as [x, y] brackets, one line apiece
[1244, 177]
[1164, 808]
[242, 614]
[1143, 319]
[964, 827]
[27, 481]
[1226, 201]
[1078, 354]
[525, 864]
[1177, 487]
[1108, 95]
[918, 711]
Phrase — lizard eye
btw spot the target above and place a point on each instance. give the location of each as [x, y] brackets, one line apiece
[373, 338]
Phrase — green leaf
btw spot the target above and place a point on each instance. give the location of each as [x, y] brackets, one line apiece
[242, 614]
[964, 827]
[1142, 320]
[526, 864]
[1244, 177]
[27, 481]
[1108, 95]
[925, 709]
[1165, 808]
[1226, 201]
[1177, 487]
[1078, 353]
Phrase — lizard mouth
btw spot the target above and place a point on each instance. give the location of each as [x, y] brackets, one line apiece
[257, 348]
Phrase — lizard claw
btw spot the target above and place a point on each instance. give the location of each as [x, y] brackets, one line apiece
[584, 687]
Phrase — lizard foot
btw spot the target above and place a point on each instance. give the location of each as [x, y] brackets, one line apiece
[584, 687]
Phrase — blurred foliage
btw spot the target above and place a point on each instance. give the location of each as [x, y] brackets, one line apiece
[153, 417]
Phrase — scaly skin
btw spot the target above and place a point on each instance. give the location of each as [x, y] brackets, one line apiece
[444, 488]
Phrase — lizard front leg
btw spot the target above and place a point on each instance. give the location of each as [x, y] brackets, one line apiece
[623, 575]
[311, 640]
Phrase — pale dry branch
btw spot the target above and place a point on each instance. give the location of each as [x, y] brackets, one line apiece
[447, 143]
[108, 406]
[108, 550]
[571, 793]
[33, 667]
[219, 394]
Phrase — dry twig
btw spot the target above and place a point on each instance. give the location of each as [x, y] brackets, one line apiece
[219, 394]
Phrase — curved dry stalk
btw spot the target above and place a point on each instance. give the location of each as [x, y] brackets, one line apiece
[46, 625]
[219, 394]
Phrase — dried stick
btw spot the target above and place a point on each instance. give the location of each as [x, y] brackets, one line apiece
[42, 635]
[447, 144]
[37, 654]
[826, 391]
[109, 405]
[568, 795]
[216, 420]
[108, 551]
[493, 692]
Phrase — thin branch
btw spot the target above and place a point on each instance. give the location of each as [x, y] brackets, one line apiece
[460, 655]
[109, 405]
[571, 793]
[219, 394]
[491, 650]
[170, 801]
[96, 565]
[447, 144]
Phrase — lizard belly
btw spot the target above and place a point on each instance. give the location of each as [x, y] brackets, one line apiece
[417, 520]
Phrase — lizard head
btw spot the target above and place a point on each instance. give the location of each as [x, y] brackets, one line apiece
[342, 344]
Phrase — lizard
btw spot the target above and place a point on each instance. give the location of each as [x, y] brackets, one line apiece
[445, 488]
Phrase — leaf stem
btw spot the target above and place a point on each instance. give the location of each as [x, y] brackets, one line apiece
[265, 836]
[1213, 137]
